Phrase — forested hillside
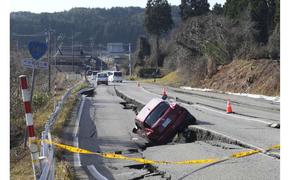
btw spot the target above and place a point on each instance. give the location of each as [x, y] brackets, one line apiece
[209, 39]
[97, 24]
[199, 43]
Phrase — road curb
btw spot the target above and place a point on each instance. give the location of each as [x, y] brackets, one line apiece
[127, 98]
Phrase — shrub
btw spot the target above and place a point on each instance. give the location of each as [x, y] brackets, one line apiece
[40, 99]
[149, 73]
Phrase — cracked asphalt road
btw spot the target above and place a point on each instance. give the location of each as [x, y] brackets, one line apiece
[106, 127]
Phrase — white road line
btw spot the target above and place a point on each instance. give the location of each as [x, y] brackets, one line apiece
[96, 173]
[233, 115]
[223, 113]
[77, 160]
[150, 92]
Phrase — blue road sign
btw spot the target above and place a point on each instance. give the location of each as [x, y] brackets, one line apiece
[37, 49]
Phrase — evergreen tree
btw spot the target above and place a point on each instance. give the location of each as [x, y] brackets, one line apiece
[189, 8]
[271, 14]
[264, 13]
[234, 8]
[185, 10]
[217, 9]
[277, 13]
[199, 7]
[158, 21]
[259, 14]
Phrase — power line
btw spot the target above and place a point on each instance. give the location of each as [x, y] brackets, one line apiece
[29, 35]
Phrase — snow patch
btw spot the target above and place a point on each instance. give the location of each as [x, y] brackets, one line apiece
[257, 96]
[196, 89]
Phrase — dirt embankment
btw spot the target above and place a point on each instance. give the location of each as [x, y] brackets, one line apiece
[247, 76]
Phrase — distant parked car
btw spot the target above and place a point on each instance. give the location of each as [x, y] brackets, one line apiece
[102, 78]
[159, 121]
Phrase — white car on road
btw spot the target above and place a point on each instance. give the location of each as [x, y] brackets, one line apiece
[102, 78]
[115, 76]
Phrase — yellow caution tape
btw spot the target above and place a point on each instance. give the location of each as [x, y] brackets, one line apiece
[274, 147]
[69, 148]
[199, 161]
[147, 161]
[244, 153]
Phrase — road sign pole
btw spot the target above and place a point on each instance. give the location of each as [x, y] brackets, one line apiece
[49, 55]
[72, 45]
[32, 84]
[30, 127]
[130, 68]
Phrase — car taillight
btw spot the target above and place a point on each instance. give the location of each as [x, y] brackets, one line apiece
[148, 131]
[172, 105]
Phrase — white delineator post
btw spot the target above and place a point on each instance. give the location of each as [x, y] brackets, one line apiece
[30, 128]
[54, 96]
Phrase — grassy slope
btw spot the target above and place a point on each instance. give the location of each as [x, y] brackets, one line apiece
[248, 76]
[240, 76]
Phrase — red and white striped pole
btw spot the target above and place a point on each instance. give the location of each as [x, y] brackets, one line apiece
[30, 128]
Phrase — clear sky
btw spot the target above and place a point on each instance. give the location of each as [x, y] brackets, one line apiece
[38, 6]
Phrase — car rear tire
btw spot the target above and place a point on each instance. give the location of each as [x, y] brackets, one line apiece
[189, 135]
[190, 119]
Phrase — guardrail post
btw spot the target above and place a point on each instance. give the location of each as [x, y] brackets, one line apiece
[30, 127]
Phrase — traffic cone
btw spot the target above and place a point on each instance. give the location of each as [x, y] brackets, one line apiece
[229, 107]
[164, 94]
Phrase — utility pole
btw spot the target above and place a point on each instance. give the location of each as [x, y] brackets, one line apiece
[101, 64]
[92, 47]
[130, 68]
[17, 45]
[50, 31]
[92, 50]
[72, 49]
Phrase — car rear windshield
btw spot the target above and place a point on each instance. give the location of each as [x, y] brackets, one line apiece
[89, 72]
[156, 114]
[117, 74]
[102, 75]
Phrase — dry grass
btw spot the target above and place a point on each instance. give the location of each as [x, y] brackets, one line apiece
[63, 171]
[21, 167]
[248, 76]
[174, 79]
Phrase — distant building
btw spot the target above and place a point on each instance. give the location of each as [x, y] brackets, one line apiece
[98, 64]
[115, 48]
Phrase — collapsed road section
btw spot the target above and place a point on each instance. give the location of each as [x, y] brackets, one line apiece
[207, 143]
[255, 133]
[198, 133]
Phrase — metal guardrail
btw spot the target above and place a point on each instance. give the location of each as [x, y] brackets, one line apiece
[47, 152]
